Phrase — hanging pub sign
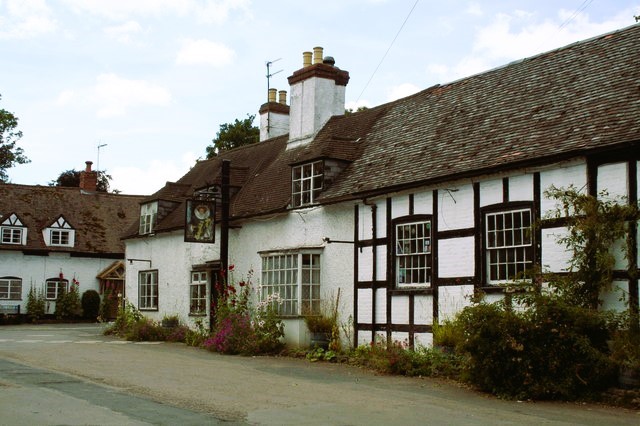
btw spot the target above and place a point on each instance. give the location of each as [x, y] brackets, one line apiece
[200, 221]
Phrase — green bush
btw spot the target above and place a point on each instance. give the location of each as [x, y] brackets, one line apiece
[146, 330]
[90, 304]
[551, 350]
[68, 304]
[35, 304]
[398, 358]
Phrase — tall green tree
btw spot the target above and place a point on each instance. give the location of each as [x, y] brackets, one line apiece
[10, 154]
[233, 135]
[71, 179]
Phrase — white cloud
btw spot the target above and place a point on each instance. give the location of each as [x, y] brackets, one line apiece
[124, 32]
[208, 11]
[401, 91]
[25, 19]
[217, 11]
[146, 181]
[114, 96]
[204, 52]
[474, 9]
[517, 35]
[125, 9]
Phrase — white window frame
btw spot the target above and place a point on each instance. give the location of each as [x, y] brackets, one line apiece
[295, 277]
[148, 290]
[508, 244]
[413, 260]
[10, 288]
[148, 216]
[198, 293]
[59, 234]
[11, 235]
[59, 237]
[12, 231]
[55, 287]
[307, 181]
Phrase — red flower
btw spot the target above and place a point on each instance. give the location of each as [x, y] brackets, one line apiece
[231, 267]
[241, 283]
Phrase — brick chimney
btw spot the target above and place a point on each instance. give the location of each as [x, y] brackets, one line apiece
[317, 92]
[88, 178]
[274, 116]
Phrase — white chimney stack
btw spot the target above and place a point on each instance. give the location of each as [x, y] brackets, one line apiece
[318, 92]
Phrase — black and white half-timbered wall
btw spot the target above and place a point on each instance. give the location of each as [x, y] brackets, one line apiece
[421, 254]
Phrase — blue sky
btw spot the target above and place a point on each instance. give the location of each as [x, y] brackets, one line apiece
[154, 79]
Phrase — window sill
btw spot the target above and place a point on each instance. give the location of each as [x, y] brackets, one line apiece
[196, 314]
[412, 290]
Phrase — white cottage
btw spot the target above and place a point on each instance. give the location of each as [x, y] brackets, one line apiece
[52, 237]
[397, 206]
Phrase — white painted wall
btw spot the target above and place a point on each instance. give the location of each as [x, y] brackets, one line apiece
[35, 270]
[456, 257]
[173, 258]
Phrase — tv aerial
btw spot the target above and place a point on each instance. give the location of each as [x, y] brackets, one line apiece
[271, 74]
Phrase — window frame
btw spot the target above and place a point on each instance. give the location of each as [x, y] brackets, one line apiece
[59, 237]
[148, 218]
[200, 285]
[301, 197]
[428, 255]
[150, 296]
[523, 253]
[302, 282]
[58, 284]
[12, 230]
[11, 226]
[11, 283]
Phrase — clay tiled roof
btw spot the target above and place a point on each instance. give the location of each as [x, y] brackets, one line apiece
[98, 218]
[565, 103]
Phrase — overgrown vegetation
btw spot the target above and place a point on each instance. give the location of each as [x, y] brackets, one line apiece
[36, 304]
[90, 304]
[240, 327]
[68, 303]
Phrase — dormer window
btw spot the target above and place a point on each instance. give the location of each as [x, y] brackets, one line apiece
[148, 214]
[307, 181]
[60, 233]
[12, 231]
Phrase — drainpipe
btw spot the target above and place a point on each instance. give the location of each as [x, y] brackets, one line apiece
[224, 225]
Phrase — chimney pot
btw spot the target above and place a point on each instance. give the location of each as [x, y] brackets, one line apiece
[329, 60]
[88, 167]
[317, 55]
[282, 97]
[306, 59]
[272, 95]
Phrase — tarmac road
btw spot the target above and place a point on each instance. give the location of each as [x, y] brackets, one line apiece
[72, 374]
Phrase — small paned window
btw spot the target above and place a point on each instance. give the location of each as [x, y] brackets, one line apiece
[11, 235]
[148, 290]
[509, 249]
[307, 181]
[148, 214]
[198, 293]
[292, 281]
[12, 231]
[413, 254]
[60, 233]
[56, 288]
[10, 288]
[59, 237]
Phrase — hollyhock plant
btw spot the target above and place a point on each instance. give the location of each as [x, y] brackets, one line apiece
[240, 327]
